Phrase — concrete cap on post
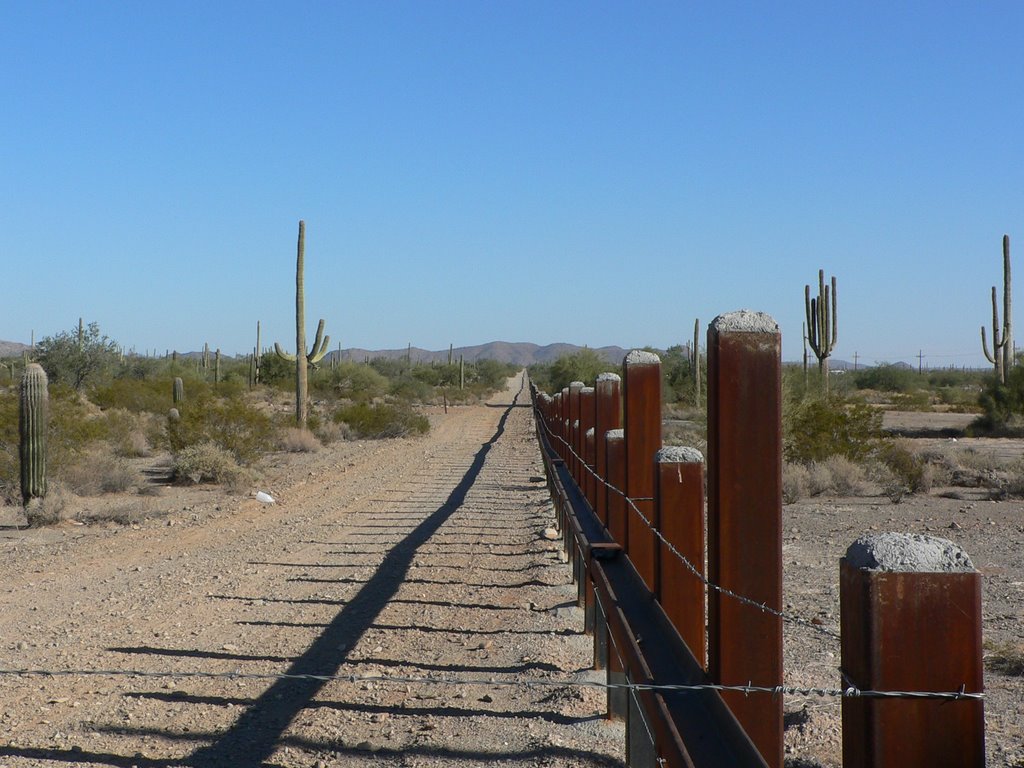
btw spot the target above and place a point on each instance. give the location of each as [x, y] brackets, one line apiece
[678, 454]
[908, 552]
[615, 434]
[745, 321]
[608, 377]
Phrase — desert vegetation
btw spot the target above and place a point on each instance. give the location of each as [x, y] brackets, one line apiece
[201, 417]
[837, 440]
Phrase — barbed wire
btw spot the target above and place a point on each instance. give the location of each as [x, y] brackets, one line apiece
[850, 691]
[681, 557]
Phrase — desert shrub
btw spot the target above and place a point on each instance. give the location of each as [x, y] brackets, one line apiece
[847, 477]
[295, 440]
[207, 462]
[74, 426]
[10, 471]
[817, 428]
[819, 478]
[382, 420]
[1002, 404]
[276, 371]
[49, 510]
[887, 378]
[152, 395]
[126, 433]
[907, 467]
[97, 472]
[229, 423]
[795, 482]
[331, 431]
[353, 381]
[411, 389]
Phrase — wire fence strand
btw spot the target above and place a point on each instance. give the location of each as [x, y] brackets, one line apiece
[788, 617]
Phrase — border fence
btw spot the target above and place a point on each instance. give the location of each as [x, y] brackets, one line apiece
[693, 652]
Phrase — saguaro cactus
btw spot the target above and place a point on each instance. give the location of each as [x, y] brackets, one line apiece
[32, 419]
[821, 323]
[177, 390]
[1002, 337]
[302, 358]
[695, 362]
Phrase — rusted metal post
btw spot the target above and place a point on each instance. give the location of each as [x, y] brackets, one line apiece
[555, 421]
[616, 471]
[608, 415]
[563, 449]
[745, 519]
[679, 498]
[575, 387]
[641, 394]
[910, 607]
[587, 404]
[590, 482]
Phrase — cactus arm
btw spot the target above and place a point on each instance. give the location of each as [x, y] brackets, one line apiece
[282, 354]
[984, 346]
[835, 318]
[320, 344]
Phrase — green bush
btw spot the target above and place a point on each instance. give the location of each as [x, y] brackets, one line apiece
[887, 378]
[818, 428]
[72, 361]
[353, 381]
[382, 420]
[584, 366]
[206, 462]
[135, 395]
[1002, 404]
[230, 423]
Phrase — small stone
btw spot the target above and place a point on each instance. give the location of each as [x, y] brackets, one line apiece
[550, 534]
[486, 698]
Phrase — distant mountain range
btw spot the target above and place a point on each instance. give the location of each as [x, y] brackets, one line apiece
[519, 353]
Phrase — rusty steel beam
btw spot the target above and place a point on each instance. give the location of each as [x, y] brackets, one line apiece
[587, 412]
[615, 465]
[575, 388]
[745, 518]
[564, 427]
[907, 627]
[607, 416]
[679, 499]
[589, 454]
[641, 394]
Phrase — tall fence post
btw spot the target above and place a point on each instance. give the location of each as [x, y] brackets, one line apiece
[642, 418]
[910, 607]
[608, 416]
[745, 519]
[615, 449]
[564, 430]
[575, 387]
[679, 499]
[587, 405]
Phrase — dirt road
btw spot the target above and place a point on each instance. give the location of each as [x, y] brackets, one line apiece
[409, 559]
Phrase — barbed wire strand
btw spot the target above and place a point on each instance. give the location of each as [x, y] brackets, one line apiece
[850, 691]
[681, 557]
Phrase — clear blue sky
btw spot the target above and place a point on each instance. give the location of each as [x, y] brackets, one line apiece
[595, 173]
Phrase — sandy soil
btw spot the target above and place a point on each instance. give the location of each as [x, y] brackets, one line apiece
[404, 558]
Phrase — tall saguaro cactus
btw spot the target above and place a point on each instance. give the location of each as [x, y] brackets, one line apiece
[302, 358]
[1002, 336]
[33, 413]
[821, 323]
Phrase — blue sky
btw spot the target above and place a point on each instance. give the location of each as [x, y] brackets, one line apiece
[594, 173]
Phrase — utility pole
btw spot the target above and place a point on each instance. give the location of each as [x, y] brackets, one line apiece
[920, 358]
[855, 358]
